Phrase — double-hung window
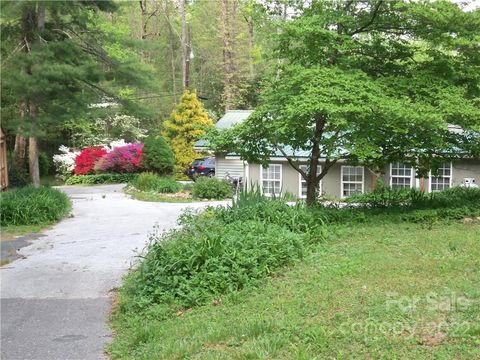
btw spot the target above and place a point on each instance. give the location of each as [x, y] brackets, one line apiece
[271, 179]
[303, 183]
[442, 179]
[352, 180]
[401, 176]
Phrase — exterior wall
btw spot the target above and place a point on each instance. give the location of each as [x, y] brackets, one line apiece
[466, 169]
[223, 166]
[460, 169]
[331, 183]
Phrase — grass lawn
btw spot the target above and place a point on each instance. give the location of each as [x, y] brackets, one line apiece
[396, 291]
[152, 196]
[9, 232]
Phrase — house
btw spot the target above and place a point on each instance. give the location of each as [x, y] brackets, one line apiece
[342, 179]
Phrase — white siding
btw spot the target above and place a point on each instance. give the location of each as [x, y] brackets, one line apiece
[228, 166]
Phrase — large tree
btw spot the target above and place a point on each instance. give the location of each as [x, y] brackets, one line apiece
[368, 81]
[58, 61]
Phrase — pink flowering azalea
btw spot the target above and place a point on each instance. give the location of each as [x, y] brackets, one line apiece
[121, 159]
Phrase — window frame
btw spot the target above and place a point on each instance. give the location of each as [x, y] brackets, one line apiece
[342, 183]
[450, 178]
[262, 179]
[302, 180]
[400, 176]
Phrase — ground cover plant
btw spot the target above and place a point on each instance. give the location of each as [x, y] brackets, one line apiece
[340, 268]
[100, 179]
[33, 206]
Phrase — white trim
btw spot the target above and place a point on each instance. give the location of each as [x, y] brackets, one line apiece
[450, 180]
[246, 180]
[352, 182]
[399, 176]
[300, 179]
[262, 179]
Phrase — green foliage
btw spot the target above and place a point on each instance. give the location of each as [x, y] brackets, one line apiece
[149, 181]
[33, 206]
[211, 188]
[296, 315]
[186, 124]
[386, 197]
[18, 177]
[371, 85]
[45, 164]
[157, 155]
[100, 179]
[209, 258]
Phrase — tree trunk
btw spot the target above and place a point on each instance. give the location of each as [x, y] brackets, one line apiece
[171, 47]
[185, 46]
[33, 161]
[227, 57]
[19, 151]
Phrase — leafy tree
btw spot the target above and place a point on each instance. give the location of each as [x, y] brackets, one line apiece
[370, 81]
[186, 124]
[157, 155]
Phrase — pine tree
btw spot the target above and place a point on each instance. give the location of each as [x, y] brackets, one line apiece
[186, 124]
[55, 66]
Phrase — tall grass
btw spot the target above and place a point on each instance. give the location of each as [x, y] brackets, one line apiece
[33, 206]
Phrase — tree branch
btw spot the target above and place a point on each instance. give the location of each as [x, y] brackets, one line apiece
[370, 22]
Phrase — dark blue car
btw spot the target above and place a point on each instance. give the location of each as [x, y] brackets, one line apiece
[202, 167]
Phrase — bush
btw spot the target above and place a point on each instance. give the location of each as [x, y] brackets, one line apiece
[45, 164]
[121, 159]
[149, 181]
[17, 176]
[65, 162]
[158, 156]
[100, 179]
[85, 161]
[212, 188]
[208, 258]
[33, 206]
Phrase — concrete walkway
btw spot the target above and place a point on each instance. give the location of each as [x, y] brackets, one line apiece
[55, 299]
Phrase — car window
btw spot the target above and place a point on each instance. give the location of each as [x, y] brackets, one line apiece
[209, 162]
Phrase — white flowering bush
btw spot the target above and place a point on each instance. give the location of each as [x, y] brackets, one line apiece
[65, 162]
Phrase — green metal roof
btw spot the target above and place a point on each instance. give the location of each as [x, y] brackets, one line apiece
[232, 117]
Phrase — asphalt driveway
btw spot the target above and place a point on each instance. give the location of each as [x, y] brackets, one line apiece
[55, 298]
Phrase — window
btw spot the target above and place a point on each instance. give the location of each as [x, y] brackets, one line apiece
[442, 179]
[352, 180]
[271, 179]
[401, 176]
[303, 183]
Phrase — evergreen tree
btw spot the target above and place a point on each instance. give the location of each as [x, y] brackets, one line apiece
[186, 124]
[56, 66]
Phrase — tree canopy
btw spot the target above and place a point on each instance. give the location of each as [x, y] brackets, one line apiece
[369, 81]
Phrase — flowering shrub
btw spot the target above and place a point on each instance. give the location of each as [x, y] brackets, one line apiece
[87, 158]
[65, 162]
[121, 159]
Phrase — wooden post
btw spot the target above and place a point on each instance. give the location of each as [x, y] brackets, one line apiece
[3, 161]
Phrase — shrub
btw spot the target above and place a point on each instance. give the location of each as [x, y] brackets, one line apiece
[65, 162]
[208, 258]
[33, 206]
[100, 179]
[158, 156]
[85, 161]
[122, 159]
[149, 181]
[212, 188]
[18, 176]
[45, 164]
